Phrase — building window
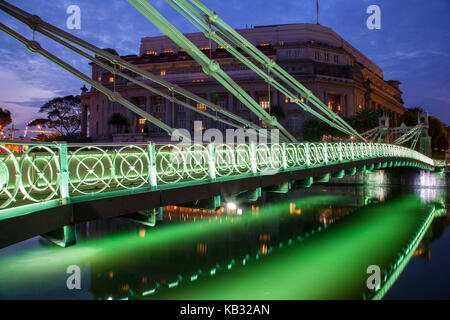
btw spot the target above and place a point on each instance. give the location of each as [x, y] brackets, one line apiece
[163, 73]
[200, 106]
[264, 102]
[281, 43]
[150, 52]
[111, 79]
[180, 108]
[289, 100]
[327, 57]
[264, 44]
[204, 48]
[336, 59]
[159, 108]
[168, 51]
[142, 120]
[99, 78]
[221, 103]
[317, 55]
[181, 123]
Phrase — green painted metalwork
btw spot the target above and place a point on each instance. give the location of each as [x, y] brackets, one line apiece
[59, 36]
[45, 172]
[204, 19]
[209, 66]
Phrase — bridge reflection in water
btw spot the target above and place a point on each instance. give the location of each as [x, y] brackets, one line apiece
[313, 244]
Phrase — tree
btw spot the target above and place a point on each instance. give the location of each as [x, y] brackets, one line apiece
[277, 112]
[411, 116]
[436, 129]
[63, 115]
[439, 135]
[5, 118]
[364, 120]
[119, 121]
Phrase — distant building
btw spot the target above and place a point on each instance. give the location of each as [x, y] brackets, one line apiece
[336, 72]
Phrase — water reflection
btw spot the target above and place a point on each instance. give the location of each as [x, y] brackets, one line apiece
[124, 260]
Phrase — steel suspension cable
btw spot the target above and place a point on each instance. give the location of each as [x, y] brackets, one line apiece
[266, 76]
[211, 17]
[36, 23]
[35, 47]
[209, 67]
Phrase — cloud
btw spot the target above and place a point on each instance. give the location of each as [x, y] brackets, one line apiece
[16, 90]
[21, 114]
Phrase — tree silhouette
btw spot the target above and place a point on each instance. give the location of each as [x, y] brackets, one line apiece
[63, 115]
[5, 118]
[119, 121]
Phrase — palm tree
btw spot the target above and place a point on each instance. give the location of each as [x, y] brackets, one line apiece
[119, 121]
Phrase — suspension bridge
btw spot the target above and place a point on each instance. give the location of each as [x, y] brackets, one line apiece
[53, 186]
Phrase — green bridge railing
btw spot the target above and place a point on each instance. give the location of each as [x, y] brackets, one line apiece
[36, 173]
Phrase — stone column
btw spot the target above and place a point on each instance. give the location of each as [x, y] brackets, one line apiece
[84, 120]
[230, 106]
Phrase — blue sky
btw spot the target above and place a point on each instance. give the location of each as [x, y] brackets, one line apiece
[413, 45]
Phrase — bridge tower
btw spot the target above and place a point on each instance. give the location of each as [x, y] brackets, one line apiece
[424, 139]
[383, 121]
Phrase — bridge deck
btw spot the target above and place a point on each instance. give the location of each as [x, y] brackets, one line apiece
[48, 186]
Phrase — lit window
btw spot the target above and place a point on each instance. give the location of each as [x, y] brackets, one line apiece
[121, 67]
[200, 106]
[111, 79]
[150, 52]
[99, 78]
[142, 120]
[163, 73]
[168, 51]
[330, 106]
[205, 48]
[264, 103]
[288, 100]
[281, 43]
[264, 44]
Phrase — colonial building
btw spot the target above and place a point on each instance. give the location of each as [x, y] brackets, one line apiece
[336, 72]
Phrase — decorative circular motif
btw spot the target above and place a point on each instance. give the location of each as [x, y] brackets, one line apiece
[131, 167]
[90, 170]
[170, 164]
[9, 176]
[40, 173]
[197, 160]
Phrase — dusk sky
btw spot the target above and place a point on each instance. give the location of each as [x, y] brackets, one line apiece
[413, 45]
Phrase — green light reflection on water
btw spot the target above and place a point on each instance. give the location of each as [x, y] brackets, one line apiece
[18, 270]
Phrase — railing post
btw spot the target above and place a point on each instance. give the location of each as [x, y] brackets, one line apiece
[63, 172]
[212, 161]
[352, 145]
[152, 175]
[308, 160]
[253, 163]
[283, 154]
